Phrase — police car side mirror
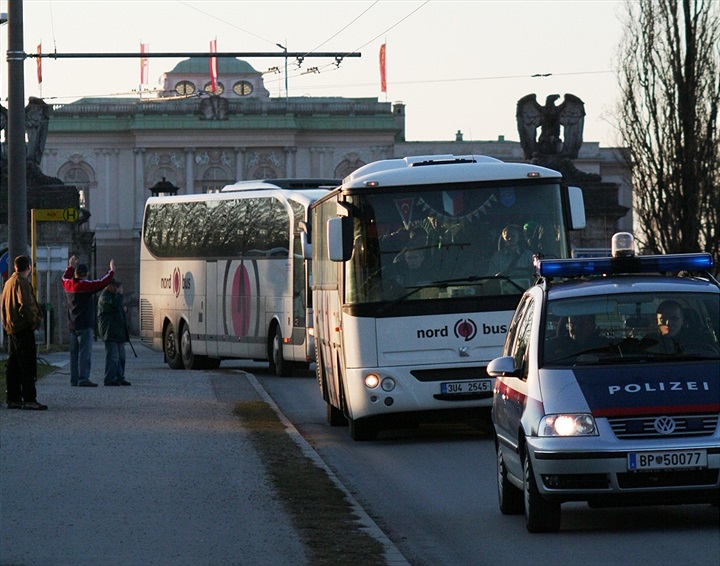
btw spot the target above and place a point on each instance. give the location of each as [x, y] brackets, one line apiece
[504, 366]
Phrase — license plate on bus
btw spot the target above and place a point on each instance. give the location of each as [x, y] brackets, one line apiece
[465, 387]
[667, 460]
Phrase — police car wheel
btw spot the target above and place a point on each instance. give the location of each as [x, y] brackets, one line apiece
[541, 515]
[510, 498]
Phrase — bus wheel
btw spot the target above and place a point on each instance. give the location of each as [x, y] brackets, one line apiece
[364, 429]
[171, 347]
[190, 361]
[335, 416]
[278, 365]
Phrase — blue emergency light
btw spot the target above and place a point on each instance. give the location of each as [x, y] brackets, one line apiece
[616, 265]
[624, 260]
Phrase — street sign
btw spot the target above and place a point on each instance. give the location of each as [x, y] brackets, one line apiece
[51, 258]
[69, 214]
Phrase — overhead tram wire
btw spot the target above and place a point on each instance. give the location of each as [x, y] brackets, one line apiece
[468, 79]
[335, 66]
[187, 5]
[347, 25]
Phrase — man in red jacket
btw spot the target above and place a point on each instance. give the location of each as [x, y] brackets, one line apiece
[81, 317]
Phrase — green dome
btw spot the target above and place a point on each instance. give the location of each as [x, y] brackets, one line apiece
[226, 66]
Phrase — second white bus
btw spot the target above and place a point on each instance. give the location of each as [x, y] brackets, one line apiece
[222, 275]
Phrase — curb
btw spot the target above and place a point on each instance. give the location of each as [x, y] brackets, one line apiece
[393, 556]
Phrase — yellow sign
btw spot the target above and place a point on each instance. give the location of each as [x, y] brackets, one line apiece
[56, 214]
[70, 214]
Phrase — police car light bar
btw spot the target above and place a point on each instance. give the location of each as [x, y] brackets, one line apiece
[628, 264]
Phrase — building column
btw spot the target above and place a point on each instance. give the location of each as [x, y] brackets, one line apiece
[189, 170]
[290, 161]
[239, 163]
[140, 189]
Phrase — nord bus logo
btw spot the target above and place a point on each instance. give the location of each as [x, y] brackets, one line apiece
[175, 283]
[466, 329]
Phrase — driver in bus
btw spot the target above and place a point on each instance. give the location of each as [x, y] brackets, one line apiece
[511, 255]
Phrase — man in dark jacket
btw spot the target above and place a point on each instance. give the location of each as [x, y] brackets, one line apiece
[81, 317]
[21, 316]
[112, 328]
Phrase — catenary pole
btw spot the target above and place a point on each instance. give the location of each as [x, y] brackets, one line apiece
[17, 168]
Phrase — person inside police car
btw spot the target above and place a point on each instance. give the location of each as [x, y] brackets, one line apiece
[673, 334]
[582, 337]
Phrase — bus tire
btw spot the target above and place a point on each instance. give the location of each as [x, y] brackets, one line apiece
[363, 429]
[189, 360]
[320, 374]
[278, 364]
[334, 415]
[171, 348]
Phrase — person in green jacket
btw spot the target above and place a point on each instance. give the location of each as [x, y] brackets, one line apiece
[112, 328]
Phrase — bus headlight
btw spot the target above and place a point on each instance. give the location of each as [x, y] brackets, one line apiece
[372, 380]
[388, 384]
[568, 425]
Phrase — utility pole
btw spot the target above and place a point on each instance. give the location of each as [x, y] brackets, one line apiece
[17, 168]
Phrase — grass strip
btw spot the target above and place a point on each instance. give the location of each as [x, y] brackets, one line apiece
[318, 508]
[43, 369]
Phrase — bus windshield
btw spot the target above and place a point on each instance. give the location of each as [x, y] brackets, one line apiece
[448, 241]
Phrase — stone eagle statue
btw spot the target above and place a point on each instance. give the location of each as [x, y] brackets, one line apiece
[531, 115]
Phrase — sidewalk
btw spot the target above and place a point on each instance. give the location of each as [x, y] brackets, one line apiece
[157, 473]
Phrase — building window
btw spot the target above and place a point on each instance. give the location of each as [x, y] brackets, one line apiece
[219, 88]
[243, 88]
[263, 171]
[347, 166]
[80, 178]
[184, 88]
[214, 179]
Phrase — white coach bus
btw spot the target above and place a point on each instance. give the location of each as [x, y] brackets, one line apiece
[222, 275]
[418, 265]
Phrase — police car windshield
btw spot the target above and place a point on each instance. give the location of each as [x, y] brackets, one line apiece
[632, 327]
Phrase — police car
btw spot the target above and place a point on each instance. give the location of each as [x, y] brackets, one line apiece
[608, 390]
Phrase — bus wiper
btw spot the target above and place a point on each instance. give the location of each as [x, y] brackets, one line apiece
[413, 289]
[476, 278]
[444, 284]
[468, 279]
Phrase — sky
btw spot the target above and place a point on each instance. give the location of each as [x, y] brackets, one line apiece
[456, 65]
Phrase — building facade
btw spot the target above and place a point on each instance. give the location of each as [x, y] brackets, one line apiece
[116, 150]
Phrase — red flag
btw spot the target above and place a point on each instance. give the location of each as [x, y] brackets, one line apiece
[39, 63]
[213, 65]
[383, 77]
[144, 63]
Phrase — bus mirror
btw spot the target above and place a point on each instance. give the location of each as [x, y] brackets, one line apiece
[339, 238]
[305, 245]
[577, 208]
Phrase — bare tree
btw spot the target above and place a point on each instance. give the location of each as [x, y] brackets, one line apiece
[669, 71]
